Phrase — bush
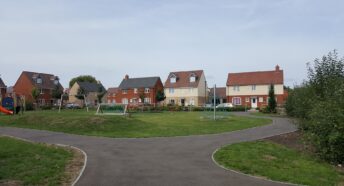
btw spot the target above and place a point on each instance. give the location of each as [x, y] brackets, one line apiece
[319, 103]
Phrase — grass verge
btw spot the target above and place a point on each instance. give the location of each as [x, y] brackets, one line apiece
[279, 163]
[25, 163]
[139, 125]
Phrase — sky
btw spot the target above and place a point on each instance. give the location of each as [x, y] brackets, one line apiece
[111, 38]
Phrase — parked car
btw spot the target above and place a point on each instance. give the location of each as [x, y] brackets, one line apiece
[224, 105]
[73, 106]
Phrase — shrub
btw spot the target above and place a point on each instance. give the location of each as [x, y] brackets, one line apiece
[29, 106]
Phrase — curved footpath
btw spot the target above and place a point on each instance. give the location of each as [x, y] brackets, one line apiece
[157, 161]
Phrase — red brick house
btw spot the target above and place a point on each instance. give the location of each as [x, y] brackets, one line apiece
[252, 88]
[132, 89]
[45, 83]
[3, 89]
[111, 94]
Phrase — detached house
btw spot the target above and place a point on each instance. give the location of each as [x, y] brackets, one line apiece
[252, 88]
[91, 92]
[132, 90]
[186, 88]
[44, 83]
[3, 89]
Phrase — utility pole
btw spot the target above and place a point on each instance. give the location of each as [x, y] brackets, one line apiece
[215, 102]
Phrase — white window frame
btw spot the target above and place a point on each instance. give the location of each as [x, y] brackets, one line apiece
[124, 91]
[254, 87]
[236, 88]
[39, 80]
[171, 90]
[173, 79]
[192, 79]
[125, 101]
[247, 99]
[147, 100]
[147, 90]
[135, 90]
[261, 99]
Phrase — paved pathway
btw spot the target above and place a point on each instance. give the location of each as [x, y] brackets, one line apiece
[157, 161]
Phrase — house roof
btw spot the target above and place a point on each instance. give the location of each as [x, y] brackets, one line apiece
[183, 79]
[255, 78]
[220, 92]
[2, 84]
[112, 90]
[91, 87]
[47, 79]
[145, 82]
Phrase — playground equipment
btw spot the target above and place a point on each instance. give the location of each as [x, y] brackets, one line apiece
[112, 109]
[7, 106]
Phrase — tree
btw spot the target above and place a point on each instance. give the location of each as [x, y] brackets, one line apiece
[57, 92]
[35, 94]
[142, 96]
[160, 96]
[81, 94]
[82, 78]
[272, 99]
[100, 94]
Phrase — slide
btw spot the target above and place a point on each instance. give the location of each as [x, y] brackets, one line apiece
[5, 111]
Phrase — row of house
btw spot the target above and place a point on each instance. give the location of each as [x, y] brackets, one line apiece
[182, 88]
[190, 88]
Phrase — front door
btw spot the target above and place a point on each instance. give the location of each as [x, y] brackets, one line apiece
[182, 101]
[254, 103]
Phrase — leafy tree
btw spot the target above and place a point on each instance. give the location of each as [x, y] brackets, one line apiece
[319, 103]
[35, 94]
[160, 96]
[272, 104]
[100, 94]
[142, 96]
[57, 92]
[82, 78]
[81, 94]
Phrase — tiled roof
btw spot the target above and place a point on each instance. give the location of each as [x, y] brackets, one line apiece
[183, 79]
[2, 84]
[112, 90]
[220, 92]
[47, 80]
[146, 82]
[255, 78]
[91, 87]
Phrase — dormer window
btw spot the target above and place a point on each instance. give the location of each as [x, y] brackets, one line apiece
[39, 80]
[193, 78]
[173, 78]
[56, 81]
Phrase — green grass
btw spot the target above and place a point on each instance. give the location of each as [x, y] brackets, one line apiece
[140, 125]
[32, 164]
[276, 162]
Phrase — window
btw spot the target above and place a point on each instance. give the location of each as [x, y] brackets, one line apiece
[41, 92]
[261, 99]
[173, 79]
[114, 94]
[113, 101]
[236, 101]
[125, 101]
[192, 102]
[171, 90]
[56, 82]
[172, 101]
[192, 79]
[147, 100]
[135, 90]
[247, 99]
[147, 90]
[190, 90]
[236, 88]
[124, 91]
[39, 80]
[253, 87]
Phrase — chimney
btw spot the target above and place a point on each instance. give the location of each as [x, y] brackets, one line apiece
[126, 77]
[277, 68]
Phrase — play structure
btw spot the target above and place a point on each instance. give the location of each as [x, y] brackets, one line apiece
[66, 95]
[7, 106]
[112, 109]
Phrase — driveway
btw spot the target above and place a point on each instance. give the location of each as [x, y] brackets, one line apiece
[157, 161]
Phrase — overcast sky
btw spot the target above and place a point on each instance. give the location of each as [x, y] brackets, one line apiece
[111, 38]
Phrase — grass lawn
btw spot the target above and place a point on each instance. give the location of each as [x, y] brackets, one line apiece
[277, 162]
[24, 163]
[139, 125]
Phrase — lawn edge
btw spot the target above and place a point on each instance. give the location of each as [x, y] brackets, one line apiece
[73, 183]
[249, 175]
